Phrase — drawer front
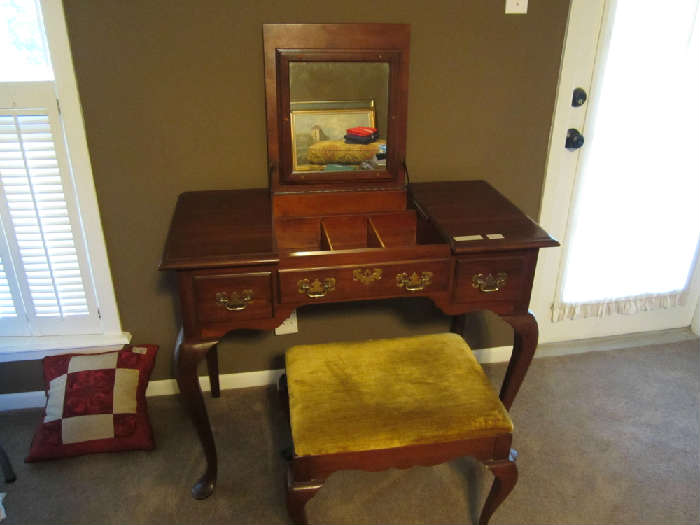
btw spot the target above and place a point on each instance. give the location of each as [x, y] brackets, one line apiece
[496, 278]
[364, 282]
[222, 297]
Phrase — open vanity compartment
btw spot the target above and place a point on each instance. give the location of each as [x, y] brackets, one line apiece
[360, 256]
[337, 233]
[348, 232]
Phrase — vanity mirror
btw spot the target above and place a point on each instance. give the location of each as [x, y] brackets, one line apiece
[338, 115]
[336, 105]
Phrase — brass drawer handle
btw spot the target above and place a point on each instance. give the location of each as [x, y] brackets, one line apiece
[235, 302]
[367, 276]
[489, 283]
[316, 288]
[414, 282]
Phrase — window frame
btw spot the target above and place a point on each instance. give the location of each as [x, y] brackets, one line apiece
[15, 348]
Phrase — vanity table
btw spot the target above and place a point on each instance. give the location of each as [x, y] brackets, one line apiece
[339, 222]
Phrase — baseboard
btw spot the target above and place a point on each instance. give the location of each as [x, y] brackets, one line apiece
[615, 342]
[22, 400]
[498, 354]
[167, 387]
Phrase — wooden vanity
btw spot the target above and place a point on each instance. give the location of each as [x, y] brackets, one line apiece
[245, 259]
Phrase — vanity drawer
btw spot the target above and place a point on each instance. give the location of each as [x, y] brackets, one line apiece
[226, 296]
[496, 278]
[364, 282]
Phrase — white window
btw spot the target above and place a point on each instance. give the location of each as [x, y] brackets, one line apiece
[55, 286]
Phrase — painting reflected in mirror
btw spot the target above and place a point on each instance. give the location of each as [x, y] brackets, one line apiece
[338, 115]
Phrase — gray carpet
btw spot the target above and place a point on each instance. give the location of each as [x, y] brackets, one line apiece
[604, 437]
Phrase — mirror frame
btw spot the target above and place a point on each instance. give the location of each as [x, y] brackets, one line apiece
[285, 43]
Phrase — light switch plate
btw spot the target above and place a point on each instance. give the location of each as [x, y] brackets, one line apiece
[516, 7]
[288, 326]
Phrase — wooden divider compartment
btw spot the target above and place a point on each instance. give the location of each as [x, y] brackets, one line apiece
[298, 234]
[351, 232]
[397, 229]
[348, 232]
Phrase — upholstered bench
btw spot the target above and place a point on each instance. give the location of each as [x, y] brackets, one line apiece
[386, 403]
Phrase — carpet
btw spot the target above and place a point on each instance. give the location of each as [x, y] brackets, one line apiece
[603, 437]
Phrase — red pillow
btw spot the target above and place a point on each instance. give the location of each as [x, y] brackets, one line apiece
[96, 403]
[361, 131]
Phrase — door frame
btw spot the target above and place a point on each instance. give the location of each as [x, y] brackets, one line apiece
[588, 32]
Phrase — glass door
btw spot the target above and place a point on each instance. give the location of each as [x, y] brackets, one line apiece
[626, 203]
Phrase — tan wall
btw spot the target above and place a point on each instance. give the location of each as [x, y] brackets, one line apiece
[173, 100]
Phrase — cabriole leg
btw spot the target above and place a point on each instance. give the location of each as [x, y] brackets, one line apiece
[524, 344]
[298, 494]
[186, 359]
[505, 476]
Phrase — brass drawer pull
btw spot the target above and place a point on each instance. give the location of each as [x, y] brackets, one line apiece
[489, 283]
[235, 302]
[414, 282]
[367, 276]
[316, 288]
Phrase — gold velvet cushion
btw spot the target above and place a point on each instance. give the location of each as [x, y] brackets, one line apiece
[330, 151]
[387, 393]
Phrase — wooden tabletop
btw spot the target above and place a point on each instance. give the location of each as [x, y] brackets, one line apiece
[475, 208]
[214, 229]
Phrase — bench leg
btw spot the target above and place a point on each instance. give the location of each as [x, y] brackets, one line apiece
[506, 475]
[298, 494]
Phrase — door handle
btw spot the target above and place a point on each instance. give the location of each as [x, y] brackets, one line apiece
[574, 139]
[579, 98]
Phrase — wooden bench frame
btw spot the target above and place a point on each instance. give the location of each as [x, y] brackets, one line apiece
[307, 474]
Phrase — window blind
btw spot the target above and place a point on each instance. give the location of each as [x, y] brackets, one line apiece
[41, 229]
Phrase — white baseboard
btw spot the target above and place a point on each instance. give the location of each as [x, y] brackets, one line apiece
[498, 354]
[615, 342]
[22, 400]
[167, 387]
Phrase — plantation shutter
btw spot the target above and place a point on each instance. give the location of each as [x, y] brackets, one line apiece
[7, 303]
[41, 229]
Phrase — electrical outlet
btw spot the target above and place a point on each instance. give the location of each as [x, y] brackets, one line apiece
[516, 7]
[288, 326]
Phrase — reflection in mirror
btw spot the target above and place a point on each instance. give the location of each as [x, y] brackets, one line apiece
[338, 115]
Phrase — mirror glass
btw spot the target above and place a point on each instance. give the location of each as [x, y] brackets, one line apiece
[339, 115]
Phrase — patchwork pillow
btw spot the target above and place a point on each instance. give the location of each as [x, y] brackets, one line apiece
[96, 403]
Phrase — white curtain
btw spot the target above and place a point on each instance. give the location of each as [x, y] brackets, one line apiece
[633, 235]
